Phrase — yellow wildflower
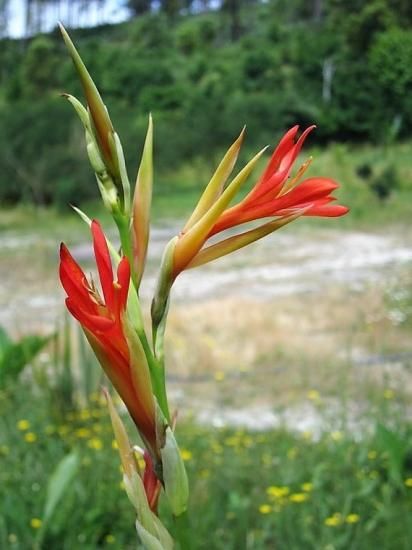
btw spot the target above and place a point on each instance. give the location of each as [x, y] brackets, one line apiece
[219, 376]
[265, 509]
[277, 492]
[408, 482]
[82, 433]
[352, 518]
[333, 521]
[23, 425]
[307, 487]
[186, 455]
[36, 523]
[95, 443]
[298, 497]
[30, 437]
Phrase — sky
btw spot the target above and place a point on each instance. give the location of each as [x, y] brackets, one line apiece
[113, 13]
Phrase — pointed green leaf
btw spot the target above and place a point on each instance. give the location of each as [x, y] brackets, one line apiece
[142, 202]
[102, 123]
[59, 482]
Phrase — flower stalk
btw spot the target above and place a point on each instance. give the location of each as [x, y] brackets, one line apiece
[110, 311]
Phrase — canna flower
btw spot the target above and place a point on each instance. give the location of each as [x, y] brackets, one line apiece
[105, 323]
[276, 195]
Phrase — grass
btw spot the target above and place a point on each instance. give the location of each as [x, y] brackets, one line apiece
[251, 490]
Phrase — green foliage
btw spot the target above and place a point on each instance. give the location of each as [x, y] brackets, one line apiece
[202, 86]
[390, 61]
[15, 356]
[248, 489]
[38, 69]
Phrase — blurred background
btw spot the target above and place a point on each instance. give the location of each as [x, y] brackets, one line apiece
[291, 358]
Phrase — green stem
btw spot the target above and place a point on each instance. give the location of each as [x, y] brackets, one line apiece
[123, 225]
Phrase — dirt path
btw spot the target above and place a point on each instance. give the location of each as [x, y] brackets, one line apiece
[287, 263]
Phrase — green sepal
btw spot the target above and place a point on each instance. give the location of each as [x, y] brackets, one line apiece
[174, 475]
[148, 525]
[163, 286]
[122, 439]
[142, 202]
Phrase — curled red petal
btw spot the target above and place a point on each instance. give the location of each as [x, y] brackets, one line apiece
[104, 264]
[71, 275]
[94, 323]
[284, 145]
[327, 210]
[300, 142]
[309, 190]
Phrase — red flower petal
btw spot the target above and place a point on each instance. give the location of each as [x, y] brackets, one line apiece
[284, 145]
[94, 323]
[327, 210]
[73, 279]
[104, 264]
[123, 280]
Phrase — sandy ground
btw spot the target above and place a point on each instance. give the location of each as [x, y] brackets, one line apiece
[297, 312]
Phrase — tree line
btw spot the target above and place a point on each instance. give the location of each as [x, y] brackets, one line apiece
[345, 65]
[38, 13]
